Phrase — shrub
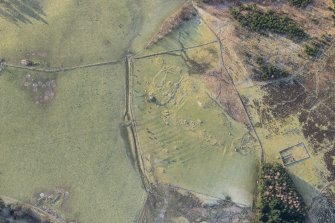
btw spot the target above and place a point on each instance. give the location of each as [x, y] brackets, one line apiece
[262, 22]
[312, 50]
[315, 48]
[269, 71]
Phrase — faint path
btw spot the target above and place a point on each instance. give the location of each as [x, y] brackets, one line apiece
[55, 70]
[60, 69]
[175, 50]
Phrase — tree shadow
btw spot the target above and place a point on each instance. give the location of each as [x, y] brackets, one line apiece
[21, 11]
[307, 191]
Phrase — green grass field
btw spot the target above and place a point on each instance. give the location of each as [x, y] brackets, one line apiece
[190, 142]
[187, 140]
[72, 143]
[69, 33]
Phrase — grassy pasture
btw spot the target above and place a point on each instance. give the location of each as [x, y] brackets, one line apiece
[192, 33]
[72, 143]
[186, 138]
[190, 142]
[69, 33]
[153, 12]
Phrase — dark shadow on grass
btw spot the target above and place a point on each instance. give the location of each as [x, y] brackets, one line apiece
[322, 209]
[21, 11]
[308, 191]
[321, 203]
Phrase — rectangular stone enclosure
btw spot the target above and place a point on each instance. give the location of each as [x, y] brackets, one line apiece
[294, 154]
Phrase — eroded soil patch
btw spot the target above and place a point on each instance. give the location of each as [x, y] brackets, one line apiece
[318, 127]
[167, 204]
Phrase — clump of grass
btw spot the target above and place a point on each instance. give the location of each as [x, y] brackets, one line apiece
[278, 199]
[269, 71]
[262, 22]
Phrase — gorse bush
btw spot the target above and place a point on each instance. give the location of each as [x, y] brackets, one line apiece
[262, 22]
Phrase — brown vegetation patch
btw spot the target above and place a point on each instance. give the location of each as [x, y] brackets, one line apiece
[318, 120]
[330, 103]
[195, 65]
[318, 75]
[42, 91]
[329, 158]
[308, 93]
[281, 52]
[184, 14]
[330, 64]
[284, 98]
[224, 92]
[318, 127]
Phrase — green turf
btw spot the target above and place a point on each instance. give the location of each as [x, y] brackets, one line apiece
[70, 33]
[187, 140]
[73, 143]
[191, 33]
